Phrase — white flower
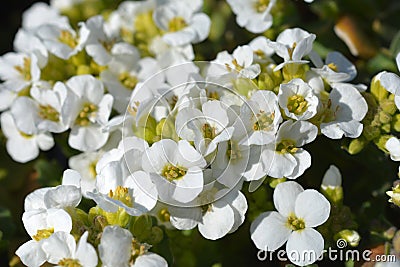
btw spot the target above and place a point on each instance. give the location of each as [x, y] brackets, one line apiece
[285, 157]
[19, 71]
[297, 99]
[85, 164]
[235, 160]
[40, 225]
[100, 45]
[87, 110]
[215, 212]
[118, 248]
[181, 24]
[27, 42]
[391, 82]
[42, 111]
[336, 69]
[261, 117]
[41, 13]
[254, 15]
[61, 249]
[240, 62]
[206, 128]
[136, 194]
[342, 114]
[292, 45]
[176, 169]
[298, 212]
[332, 178]
[62, 40]
[64, 4]
[262, 52]
[393, 146]
[125, 71]
[20, 146]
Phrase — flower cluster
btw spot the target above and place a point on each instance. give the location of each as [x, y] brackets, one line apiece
[166, 142]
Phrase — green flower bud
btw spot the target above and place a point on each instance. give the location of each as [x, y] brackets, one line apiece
[381, 142]
[274, 182]
[371, 132]
[394, 195]
[294, 70]
[83, 69]
[384, 117]
[388, 106]
[356, 145]
[333, 194]
[156, 235]
[141, 228]
[377, 90]
[385, 128]
[396, 122]
[351, 236]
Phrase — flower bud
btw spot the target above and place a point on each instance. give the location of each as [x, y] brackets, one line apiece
[351, 236]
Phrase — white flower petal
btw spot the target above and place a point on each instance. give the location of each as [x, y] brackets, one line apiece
[312, 207]
[269, 231]
[285, 196]
[304, 247]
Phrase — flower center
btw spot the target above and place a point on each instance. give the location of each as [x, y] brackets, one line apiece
[128, 80]
[297, 104]
[209, 132]
[264, 121]
[48, 113]
[286, 146]
[88, 110]
[121, 194]
[233, 151]
[291, 50]
[92, 169]
[164, 215]
[261, 5]
[333, 66]
[43, 234]
[295, 223]
[69, 263]
[25, 69]
[67, 38]
[138, 249]
[212, 95]
[177, 24]
[171, 172]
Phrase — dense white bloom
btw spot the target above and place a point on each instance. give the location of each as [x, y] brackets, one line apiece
[240, 62]
[62, 40]
[336, 69]
[20, 146]
[42, 111]
[298, 211]
[262, 52]
[391, 82]
[118, 248]
[85, 164]
[19, 71]
[206, 128]
[292, 45]
[125, 71]
[41, 13]
[181, 24]
[215, 212]
[342, 115]
[86, 110]
[61, 249]
[40, 225]
[254, 15]
[297, 99]
[176, 169]
[285, 157]
[261, 117]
